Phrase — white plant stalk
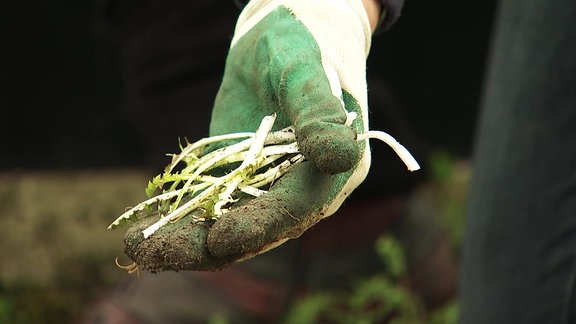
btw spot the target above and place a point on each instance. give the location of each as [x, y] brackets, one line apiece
[402, 152]
[262, 157]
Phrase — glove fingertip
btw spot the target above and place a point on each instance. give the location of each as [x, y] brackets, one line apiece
[174, 247]
[331, 147]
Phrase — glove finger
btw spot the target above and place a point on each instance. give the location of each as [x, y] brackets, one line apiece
[295, 203]
[306, 98]
[174, 247]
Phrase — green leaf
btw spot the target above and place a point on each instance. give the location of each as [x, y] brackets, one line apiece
[123, 220]
[151, 188]
[312, 308]
[392, 255]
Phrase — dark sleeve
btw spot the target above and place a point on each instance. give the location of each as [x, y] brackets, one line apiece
[393, 8]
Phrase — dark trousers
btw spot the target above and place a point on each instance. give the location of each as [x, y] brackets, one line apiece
[519, 256]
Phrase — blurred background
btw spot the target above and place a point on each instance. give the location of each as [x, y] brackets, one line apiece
[95, 93]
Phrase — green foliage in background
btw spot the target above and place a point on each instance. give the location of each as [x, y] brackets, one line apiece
[450, 180]
[56, 256]
[382, 298]
[386, 297]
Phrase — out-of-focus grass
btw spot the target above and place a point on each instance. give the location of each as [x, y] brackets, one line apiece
[55, 252]
[448, 189]
[56, 256]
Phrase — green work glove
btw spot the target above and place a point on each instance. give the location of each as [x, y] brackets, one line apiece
[305, 62]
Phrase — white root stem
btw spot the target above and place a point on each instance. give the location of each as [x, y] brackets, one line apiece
[230, 181]
[202, 143]
[180, 211]
[143, 205]
[402, 152]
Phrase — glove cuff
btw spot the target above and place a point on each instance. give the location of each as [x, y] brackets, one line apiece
[333, 14]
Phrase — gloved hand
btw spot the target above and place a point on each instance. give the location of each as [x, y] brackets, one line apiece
[304, 61]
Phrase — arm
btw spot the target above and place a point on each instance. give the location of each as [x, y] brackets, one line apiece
[313, 78]
[373, 9]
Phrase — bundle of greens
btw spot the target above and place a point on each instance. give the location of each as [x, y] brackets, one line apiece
[253, 163]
